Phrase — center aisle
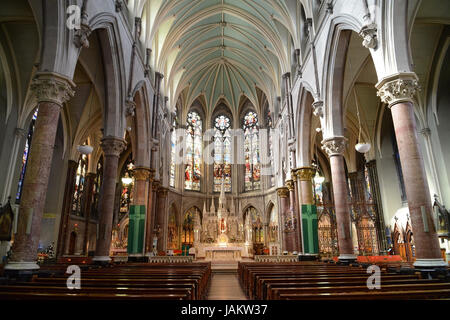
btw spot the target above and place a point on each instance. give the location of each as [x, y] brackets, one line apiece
[225, 287]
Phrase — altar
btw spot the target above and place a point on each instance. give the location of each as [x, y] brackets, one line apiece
[223, 253]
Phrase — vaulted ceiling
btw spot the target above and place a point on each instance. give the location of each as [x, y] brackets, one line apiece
[221, 49]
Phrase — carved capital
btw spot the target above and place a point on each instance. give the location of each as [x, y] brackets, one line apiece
[141, 173]
[155, 185]
[81, 36]
[22, 133]
[163, 192]
[318, 108]
[369, 35]
[398, 88]
[283, 192]
[305, 173]
[334, 146]
[290, 185]
[113, 146]
[51, 87]
[130, 108]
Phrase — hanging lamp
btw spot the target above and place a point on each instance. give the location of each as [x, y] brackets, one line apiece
[361, 147]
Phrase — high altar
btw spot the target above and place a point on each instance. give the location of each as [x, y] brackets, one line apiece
[221, 235]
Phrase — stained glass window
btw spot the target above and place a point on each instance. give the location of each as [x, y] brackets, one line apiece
[26, 152]
[222, 153]
[193, 151]
[173, 140]
[251, 152]
[127, 180]
[96, 190]
[80, 177]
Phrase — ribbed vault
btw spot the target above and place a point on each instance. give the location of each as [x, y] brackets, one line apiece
[219, 48]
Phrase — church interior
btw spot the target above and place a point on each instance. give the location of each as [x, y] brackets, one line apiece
[224, 149]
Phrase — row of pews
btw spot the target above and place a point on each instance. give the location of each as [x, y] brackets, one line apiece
[117, 282]
[322, 281]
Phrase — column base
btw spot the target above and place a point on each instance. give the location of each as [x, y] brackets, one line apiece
[432, 268]
[101, 260]
[21, 270]
[346, 259]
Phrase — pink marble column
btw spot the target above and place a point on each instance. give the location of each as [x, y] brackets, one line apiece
[112, 148]
[141, 176]
[288, 241]
[51, 91]
[160, 217]
[149, 224]
[335, 148]
[305, 176]
[398, 92]
[293, 210]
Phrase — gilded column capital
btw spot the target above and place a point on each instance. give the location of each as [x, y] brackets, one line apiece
[141, 173]
[305, 173]
[334, 146]
[283, 192]
[290, 185]
[52, 87]
[400, 87]
[113, 146]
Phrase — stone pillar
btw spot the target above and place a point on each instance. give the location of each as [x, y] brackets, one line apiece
[305, 176]
[335, 148]
[141, 176]
[161, 215]
[148, 221]
[51, 92]
[308, 211]
[398, 91]
[112, 148]
[286, 215]
[67, 205]
[293, 211]
[151, 224]
[87, 207]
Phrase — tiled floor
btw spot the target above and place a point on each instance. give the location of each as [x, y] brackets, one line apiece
[225, 287]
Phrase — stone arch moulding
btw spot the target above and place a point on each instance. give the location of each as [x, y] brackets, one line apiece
[115, 75]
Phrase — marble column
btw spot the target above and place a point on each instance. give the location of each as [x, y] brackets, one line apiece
[51, 92]
[148, 231]
[335, 148]
[112, 148]
[67, 205]
[141, 176]
[161, 215]
[293, 211]
[305, 176]
[87, 207]
[151, 213]
[399, 91]
[286, 215]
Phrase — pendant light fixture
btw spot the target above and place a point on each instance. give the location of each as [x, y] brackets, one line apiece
[361, 147]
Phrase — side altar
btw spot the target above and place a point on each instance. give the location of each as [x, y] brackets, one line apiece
[220, 234]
